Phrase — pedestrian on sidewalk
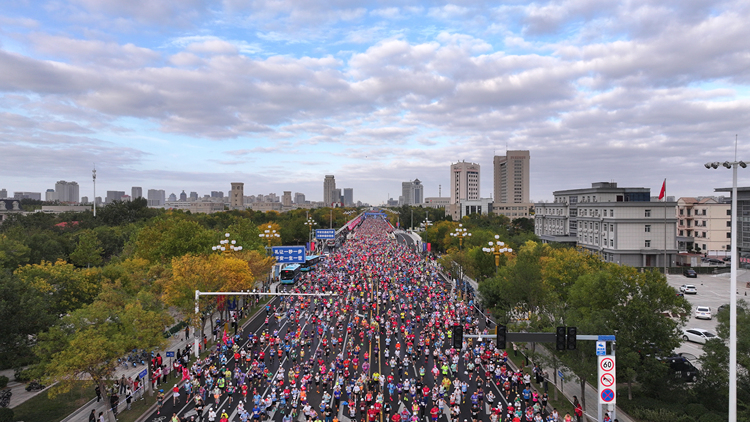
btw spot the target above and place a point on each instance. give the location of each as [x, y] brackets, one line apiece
[98, 392]
[92, 416]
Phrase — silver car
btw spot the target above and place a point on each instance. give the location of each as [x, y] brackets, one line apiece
[697, 335]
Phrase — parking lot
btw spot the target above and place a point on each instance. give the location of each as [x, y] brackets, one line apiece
[713, 291]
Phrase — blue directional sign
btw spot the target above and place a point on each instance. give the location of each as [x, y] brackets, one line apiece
[289, 254]
[325, 233]
[170, 354]
[606, 337]
[560, 374]
[143, 373]
[601, 348]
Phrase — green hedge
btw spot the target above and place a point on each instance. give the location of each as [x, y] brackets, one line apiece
[3, 381]
[6, 414]
[172, 331]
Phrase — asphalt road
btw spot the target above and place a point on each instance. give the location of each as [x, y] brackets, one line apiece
[377, 359]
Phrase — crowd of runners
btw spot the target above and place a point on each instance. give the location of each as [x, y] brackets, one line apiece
[377, 347]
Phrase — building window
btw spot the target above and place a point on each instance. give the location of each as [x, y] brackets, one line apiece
[648, 228]
[605, 213]
[647, 213]
[612, 242]
[729, 224]
[648, 243]
[729, 235]
[611, 227]
[704, 246]
[681, 231]
[611, 213]
[729, 212]
[681, 211]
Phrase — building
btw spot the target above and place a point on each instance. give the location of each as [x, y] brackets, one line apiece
[237, 196]
[193, 196]
[464, 181]
[286, 198]
[57, 209]
[28, 195]
[3, 193]
[266, 206]
[704, 225]
[412, 192]
[299, 198]
[183, 196]
[67, 192]
[336, 198]
[156, 198]
[511, 185]
[621, 225]
[743, 223]
[474, 206]
[114, 195]
[436, 202]
[348, 197]
[136, 192]
[217, 194]
[84, 200]
[511, 177]
[50, 195]
[464, 185]
[9, 207]
[329, 185]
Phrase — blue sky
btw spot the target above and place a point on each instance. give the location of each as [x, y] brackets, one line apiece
[193, 95]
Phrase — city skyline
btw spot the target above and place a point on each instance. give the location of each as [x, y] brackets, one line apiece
[196, 95]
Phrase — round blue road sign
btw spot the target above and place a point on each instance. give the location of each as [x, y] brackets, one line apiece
[608, 395]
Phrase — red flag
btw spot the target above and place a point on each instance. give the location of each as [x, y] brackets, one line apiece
[663, 190]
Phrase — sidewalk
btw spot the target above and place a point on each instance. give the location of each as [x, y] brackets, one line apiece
[82, 414]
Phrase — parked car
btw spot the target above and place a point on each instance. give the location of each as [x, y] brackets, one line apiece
[689, 289]
[697, 335]
[690, 273]
[721, 307]
[681, 367]
[703, 312]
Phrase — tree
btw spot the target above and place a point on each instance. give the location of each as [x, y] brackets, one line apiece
[270, 228]
[172, 236]
[245, 232]
[89, 340]
[713, 386]
[13, 253]
[89, 250]
[207, 273]
[68, 288]
[28, 310]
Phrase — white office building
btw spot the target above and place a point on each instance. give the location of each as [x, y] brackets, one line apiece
[621, 225]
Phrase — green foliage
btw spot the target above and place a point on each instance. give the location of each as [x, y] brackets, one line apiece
[6, 414]
[120, 213]
[659, 415]
[18, 302]
[712, 417]
[696, 410]
[169, 237]
[22, 375]
[67, 287]
[89, 251]
[13, 253]
[3, 381]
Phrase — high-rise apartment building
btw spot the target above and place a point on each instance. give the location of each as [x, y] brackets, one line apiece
[511, 187]
[237, 196]
[217, 194]
[3, 193]
[329, 184]
[114, 195]
[464, 181]
[299, 198]
[183, 196]
[193, 196]
[50, 195]
[136, 192]
[172, 197]
[156, 198]
[337, 197]
[286, 198]
[512, 177]
[348, 197]
[66, 191]
[412, 192]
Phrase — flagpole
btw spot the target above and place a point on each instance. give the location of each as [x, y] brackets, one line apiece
[665, 229]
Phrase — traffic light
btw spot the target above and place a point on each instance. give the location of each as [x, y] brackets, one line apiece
[571, 343]
[500, 331]
[458, 337]
[560, 339]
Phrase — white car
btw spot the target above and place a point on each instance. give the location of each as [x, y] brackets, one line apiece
[697, 335]
[703, 312]
[689, 289]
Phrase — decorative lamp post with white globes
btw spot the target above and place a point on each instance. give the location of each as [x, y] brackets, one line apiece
[227, 245]
[497, 248]
[460, 233]
[269, 234]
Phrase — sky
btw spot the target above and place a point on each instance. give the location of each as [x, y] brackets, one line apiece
[195, 94]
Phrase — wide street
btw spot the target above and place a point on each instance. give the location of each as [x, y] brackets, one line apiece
[389, 308]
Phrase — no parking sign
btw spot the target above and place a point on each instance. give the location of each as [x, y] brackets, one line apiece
[607, 380]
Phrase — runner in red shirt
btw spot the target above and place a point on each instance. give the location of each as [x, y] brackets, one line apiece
[434, 413]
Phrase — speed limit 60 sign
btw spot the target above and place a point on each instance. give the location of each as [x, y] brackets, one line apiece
[607, 380]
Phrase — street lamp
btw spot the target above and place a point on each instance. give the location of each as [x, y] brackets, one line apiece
[310, 223]
[227, 245]
[733, 287]
[460, 233]
[269, 234]
[497, 248]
